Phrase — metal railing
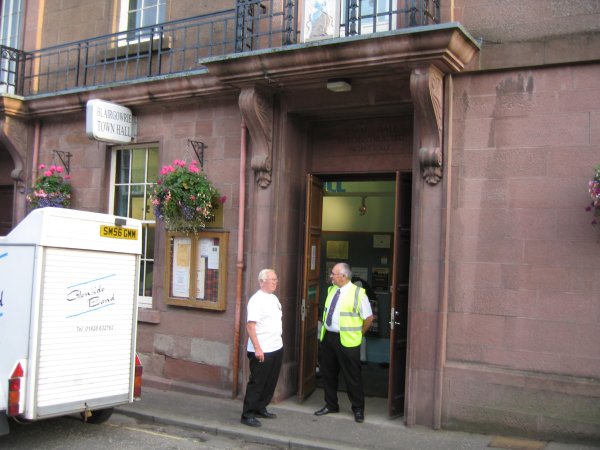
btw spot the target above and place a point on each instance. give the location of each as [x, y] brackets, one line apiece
[371, 16]
[178, 46]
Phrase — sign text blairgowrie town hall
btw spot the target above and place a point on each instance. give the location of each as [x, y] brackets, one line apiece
[109, 122]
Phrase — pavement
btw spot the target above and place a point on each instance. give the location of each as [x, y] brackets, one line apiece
[296, 427]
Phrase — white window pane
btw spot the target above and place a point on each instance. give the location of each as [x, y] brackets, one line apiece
[135, 170]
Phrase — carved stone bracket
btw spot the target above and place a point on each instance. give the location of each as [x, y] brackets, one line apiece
[256, 106]
[426, 87]
[13, 132]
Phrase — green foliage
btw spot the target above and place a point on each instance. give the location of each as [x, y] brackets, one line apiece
[184, 198]
[594, 190]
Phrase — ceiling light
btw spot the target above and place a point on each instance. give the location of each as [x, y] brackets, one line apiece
[339, 85]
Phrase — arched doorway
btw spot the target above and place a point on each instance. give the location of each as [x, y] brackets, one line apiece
[7, 191]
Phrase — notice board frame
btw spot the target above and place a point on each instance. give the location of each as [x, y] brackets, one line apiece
[196, 269]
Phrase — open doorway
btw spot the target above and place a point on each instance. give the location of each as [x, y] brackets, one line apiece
[365, 222]
[358, 229]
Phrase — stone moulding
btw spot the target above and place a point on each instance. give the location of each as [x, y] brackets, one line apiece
[426, 87]
[256, 106]
[447, 46]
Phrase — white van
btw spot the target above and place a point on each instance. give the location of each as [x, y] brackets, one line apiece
[68, 315]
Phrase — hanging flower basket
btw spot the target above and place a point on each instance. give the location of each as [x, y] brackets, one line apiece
[184, 198]
[51, 189]
[594, 190]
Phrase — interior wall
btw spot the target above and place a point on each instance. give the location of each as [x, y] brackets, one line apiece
[342, 214]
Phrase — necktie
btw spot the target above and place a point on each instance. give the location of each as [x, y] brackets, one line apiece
[332, 307]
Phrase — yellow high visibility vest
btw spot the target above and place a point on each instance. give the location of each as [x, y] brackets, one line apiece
[350, 320]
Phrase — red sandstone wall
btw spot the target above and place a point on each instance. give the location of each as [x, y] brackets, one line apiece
[188, 345]
[516, 20]
[524, 285]
[73, 20]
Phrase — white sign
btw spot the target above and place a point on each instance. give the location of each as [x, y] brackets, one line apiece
[109, 122]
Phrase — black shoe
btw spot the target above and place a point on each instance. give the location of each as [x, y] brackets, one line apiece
[359, 416]
[266, 414]
[251, 421]
[326, 410]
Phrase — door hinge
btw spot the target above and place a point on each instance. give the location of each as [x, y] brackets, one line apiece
[303, 310]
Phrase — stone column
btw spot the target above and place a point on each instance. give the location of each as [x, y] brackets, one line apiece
[426, 282]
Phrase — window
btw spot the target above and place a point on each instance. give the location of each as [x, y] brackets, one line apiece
[134, 170]
[11, 23]
[141, 13]
[373, 15]
[377, 15]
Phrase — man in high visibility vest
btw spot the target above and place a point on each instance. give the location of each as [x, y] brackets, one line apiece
[346, 318]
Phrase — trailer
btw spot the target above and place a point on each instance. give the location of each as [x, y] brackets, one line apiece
[68, 315]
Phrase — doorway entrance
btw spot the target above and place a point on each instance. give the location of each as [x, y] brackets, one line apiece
[363, 220]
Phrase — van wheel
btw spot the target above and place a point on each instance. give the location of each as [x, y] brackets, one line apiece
[98, 415]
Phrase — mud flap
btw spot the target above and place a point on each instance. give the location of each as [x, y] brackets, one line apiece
[4, 429]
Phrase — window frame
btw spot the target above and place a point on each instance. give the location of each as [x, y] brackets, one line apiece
[130, 39]
[144, 301]
[11, 35]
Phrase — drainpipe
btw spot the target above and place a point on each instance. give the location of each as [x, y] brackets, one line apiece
[240, 260]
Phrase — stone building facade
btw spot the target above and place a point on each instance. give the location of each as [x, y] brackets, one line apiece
[486, 124]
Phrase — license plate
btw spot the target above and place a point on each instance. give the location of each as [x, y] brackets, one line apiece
[118, 232]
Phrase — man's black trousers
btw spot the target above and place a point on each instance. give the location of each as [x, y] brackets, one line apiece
[262, 382]
[333, 357]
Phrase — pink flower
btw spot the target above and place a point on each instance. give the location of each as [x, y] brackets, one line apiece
[42, 166]
[223, 199]
[167, 169]
[48, 173]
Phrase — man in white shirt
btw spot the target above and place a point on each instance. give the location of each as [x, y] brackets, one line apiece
[264, 350]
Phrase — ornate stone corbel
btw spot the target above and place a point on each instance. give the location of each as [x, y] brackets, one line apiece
[256, 106]
[18, 177]
[426, 87]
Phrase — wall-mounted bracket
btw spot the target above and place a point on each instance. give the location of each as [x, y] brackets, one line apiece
[198, 148]
[65, 159]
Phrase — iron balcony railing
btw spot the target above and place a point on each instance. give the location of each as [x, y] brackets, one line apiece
[178, 46]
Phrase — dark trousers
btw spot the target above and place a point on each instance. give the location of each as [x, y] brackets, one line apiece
[333, 357]
[262, 382]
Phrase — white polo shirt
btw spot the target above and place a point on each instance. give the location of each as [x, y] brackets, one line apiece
[265, 310]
